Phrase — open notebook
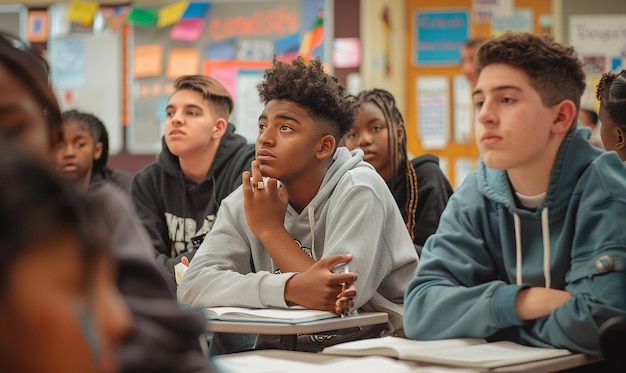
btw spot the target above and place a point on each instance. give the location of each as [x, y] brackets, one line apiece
[293, 315]
[465, 352]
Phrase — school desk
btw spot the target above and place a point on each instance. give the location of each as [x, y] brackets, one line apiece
[289, 332]
[541, 366]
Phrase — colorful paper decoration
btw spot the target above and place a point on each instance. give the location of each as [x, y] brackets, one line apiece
[82, 12]
[313, 38]
[168, 15]
[196, 10]
[37, 26]
[142, 17]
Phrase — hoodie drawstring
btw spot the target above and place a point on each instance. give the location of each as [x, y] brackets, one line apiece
[545, 233]
[311, 212]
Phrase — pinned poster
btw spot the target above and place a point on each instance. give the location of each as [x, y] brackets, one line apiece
[82, 12]
[188, 29]
[168, 15]
[37, 26]
[223, 50]
[67, 61]
[432, 105]
[148, 60]
[141, 17]
[183, 62]
[347, 52]
[287, 44]
[196, 10]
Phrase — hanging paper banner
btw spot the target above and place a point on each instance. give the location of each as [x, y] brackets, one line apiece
[168, 15]
[82, 12]
[141, 17]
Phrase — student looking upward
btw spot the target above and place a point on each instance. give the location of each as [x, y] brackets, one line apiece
[419, 187]
[275, 243]
[200, 163]
[528, 248]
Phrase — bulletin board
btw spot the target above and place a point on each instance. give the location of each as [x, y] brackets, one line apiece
[86, 72]
[439, 113]
[13, 20]
[598, 32]
[236, 42]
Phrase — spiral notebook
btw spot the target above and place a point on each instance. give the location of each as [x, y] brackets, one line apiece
[293, 315]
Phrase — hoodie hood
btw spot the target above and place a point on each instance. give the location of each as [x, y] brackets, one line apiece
[568, 167]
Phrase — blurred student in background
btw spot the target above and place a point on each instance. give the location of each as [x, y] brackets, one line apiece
[611, 93]
[468, 51]
[589, 119]
[419, 187]
[164, 338]
[58, 296]
[83, 152]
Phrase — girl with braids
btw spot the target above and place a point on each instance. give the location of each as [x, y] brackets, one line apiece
[83, 152]
[419, 187]
[611, 93]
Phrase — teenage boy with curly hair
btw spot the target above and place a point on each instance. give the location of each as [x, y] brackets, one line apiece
[276, 242]
[528, 248]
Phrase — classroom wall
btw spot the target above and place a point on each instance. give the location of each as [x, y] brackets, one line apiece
[383, 61]
[458, 155]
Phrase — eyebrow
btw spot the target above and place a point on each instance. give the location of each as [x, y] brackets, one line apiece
[498, 88]
[189, 106]
[280, 116]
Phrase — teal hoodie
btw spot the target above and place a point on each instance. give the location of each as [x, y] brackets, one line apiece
[468, 277]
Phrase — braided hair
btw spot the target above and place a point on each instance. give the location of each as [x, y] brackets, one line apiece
[611, 93]
[98, 132]
[397, 149]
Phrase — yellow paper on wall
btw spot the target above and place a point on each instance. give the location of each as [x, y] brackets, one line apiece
[82, 12]
[170, 14]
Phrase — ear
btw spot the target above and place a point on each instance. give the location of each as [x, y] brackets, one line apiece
[219, 129]
[565, 112]
[326, 147]
[620, 144]
[98, 151]
[400, 132]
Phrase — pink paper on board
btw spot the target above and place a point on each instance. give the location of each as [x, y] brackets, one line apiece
[187, 29]
[227, 76]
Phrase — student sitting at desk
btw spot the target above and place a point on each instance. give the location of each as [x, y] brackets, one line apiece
[275, 243]
[529, 247]
[177, 197]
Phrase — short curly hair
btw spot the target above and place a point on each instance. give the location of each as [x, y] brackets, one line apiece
[553, 69]
[307, 85]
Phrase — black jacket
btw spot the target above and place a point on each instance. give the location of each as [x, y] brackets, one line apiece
[433, 192]
[176, 211]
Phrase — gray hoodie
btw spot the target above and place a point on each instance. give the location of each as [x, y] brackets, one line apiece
[352, 213]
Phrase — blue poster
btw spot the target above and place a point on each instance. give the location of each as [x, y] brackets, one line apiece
[439, 36]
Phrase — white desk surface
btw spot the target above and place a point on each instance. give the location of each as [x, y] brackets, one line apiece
[362, 319]
[542, 366]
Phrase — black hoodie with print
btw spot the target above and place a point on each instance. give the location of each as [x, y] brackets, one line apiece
[177, 211]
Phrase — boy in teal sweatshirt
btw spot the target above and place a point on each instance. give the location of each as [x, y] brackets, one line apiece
[528, 248]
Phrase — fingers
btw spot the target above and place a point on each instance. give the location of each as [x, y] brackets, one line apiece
[185, 261]
[331, 261]
[245, 182]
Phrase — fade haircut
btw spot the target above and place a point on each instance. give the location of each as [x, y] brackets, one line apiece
[553, 69]
[611, 93]
[307, 85]
[220, 100]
